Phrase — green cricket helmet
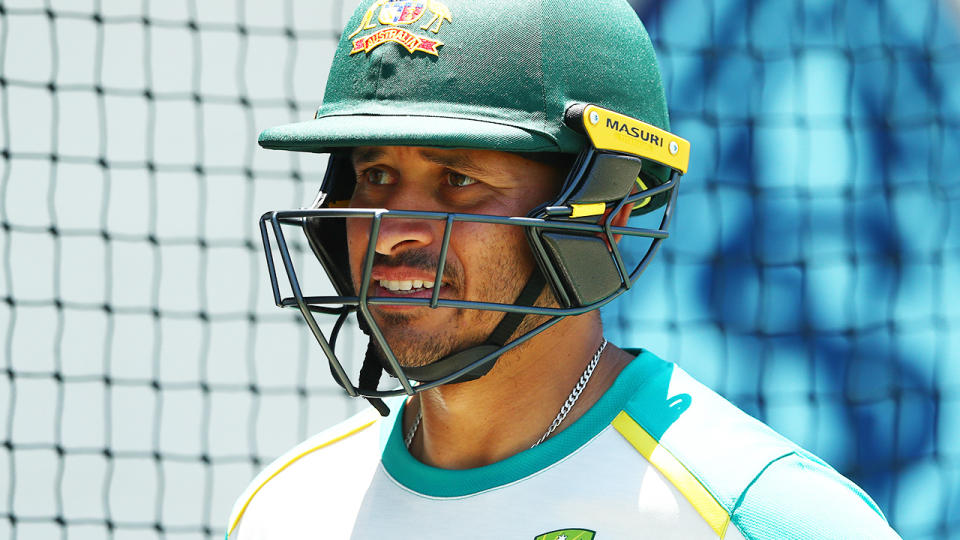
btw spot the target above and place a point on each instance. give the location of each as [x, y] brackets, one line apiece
[556, 76]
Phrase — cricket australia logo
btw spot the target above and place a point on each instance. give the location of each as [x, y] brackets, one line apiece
[395, 15]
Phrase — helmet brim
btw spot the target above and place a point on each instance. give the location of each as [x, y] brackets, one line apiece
[328, 133]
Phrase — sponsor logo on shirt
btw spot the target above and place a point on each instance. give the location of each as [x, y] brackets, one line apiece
[567, 534]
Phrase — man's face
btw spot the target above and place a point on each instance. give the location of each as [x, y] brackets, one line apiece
[488, 263]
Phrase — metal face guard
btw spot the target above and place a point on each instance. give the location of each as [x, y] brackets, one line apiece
[553, 232]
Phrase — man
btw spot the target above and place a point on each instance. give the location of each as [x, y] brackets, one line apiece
[473, 217]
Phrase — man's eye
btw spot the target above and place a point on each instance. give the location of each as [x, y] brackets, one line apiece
[460, 180]
[377, 176]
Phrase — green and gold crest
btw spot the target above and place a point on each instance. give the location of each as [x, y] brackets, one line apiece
[567, 534]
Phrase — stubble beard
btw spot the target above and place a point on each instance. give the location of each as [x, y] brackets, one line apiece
[464, 329]
[418, 350]
[503, 277]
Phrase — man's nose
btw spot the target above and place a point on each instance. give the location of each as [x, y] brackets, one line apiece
[401, 234]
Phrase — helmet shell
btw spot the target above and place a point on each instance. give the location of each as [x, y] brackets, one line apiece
[497, 74]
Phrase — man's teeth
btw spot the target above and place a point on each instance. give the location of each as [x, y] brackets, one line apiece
[405, 285]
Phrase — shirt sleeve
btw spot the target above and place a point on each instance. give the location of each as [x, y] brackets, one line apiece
[799, 497]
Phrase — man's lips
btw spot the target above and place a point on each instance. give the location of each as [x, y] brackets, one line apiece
[402, 283]
[378, 291]
[403, 278]
[406, 285]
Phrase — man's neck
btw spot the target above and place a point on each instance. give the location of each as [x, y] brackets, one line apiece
[505, 412]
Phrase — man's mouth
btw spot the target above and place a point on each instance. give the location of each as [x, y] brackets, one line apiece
[406, 286]
[408, 281]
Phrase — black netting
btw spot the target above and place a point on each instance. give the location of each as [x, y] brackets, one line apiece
[148, 376]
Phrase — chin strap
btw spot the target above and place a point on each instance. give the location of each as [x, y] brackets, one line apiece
[370, 373]
[371, 369]
[374, 364]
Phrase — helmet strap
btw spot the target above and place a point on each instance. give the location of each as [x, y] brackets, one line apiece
[371, 370]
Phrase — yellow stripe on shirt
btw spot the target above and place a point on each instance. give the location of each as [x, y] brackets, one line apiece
[291, 462]
[702, 500]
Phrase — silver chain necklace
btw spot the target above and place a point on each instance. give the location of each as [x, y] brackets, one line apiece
[564, 410]
[413, 430]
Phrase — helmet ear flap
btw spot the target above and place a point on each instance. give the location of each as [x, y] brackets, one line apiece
[328, 236]
[581, 268]
[610, 177]
[584, 268]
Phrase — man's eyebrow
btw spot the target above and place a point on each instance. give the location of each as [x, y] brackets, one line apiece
[460, 162]
[367, 154]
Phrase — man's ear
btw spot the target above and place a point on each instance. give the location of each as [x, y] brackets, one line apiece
[619, 220]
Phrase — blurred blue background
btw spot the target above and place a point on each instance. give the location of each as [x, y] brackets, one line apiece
[813, 273]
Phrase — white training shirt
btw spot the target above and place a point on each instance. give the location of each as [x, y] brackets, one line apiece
[659, 456]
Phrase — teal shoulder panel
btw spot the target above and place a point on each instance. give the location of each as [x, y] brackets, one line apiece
[725, 449]
[801, 498]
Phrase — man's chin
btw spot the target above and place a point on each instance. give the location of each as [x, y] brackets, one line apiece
[397, 317]
[411, 346]
[421, 336]
[415, 355]
[414, 350]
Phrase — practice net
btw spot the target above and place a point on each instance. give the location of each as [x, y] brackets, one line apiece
[812, 277]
